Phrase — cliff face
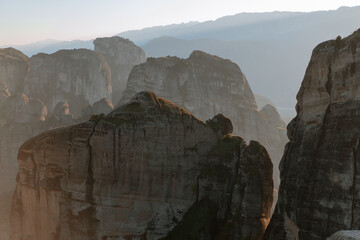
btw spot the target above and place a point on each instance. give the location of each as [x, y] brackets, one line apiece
[206, 85]
[14, 67]
[102, 106]
[20, 119]
[78, 77]
[4, 92]
[147, 170]
[320, 177]
[121, 55]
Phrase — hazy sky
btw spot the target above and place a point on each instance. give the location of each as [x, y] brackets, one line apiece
[26, 21]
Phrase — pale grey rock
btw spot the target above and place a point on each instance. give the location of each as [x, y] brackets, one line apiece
[20, 119]
[14, 66]
[121, 55]
[262, 101]
[78, 77]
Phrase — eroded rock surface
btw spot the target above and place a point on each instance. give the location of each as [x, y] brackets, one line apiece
[4, 92]
[61, 116]
[78, 77]
[320, 175]
[14, 66]
[121, 55]
[103, 106]
[346, 235]
[147, 170]
[207, 85]
[20, 119]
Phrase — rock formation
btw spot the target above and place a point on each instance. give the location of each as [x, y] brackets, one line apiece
[320, 177]
[4, 92]
[207, 85]
[346, 235]
[121, 55]
[20, 119]
[61, 116]
[102, 106]
[14, 66]
[79, 77]
[147, 170]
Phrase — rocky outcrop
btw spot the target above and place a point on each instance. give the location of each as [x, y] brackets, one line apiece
[346, 235]
[20, 119]
[14, 66]
[79, 77]
[206, 85]
[147, 170]
[121, 55]
[61, 116]
[4, 92]
[103, 106]
[320, 177]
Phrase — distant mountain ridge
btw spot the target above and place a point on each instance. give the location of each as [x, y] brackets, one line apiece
[272, 49]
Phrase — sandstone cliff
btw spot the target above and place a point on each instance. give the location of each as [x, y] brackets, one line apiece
[147, 170]
[320, 177]
[78, 77]
[121, 55]
[206, 85]
[14, 66]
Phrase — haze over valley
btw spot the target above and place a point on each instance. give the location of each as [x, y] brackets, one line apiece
[241, 127]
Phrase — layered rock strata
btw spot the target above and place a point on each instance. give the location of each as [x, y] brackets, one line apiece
[121, 55]
[14, 66]
[147, 170]
[206, 85]
[78, 77]
[320, 175]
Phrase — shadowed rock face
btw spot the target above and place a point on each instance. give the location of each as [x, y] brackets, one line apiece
[14, 66]
[102, 106]
[4, 92]
[207, 85]
[147, 170]
[320, 175]
[20, 119]
[121, 55]
[346, 235]
[78, 77]
[61, 116]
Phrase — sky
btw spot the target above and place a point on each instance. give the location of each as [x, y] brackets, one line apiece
[28, 21]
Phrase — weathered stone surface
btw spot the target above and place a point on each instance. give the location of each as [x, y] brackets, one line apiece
[345, 235]
[121, 55]
[4, 92]
[14, 66]
[20, 119]
[61, 116]
[79, 77]
[207, 85]
[320, 177]
[147, 170]
[103, 106]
